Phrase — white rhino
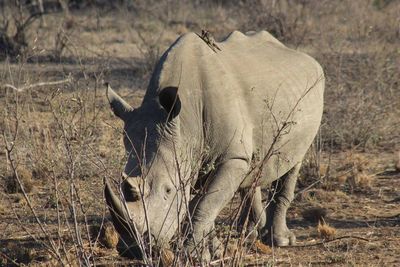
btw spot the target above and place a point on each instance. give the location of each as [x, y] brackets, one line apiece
[220, 116]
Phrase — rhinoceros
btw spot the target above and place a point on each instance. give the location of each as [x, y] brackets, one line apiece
[216, 118]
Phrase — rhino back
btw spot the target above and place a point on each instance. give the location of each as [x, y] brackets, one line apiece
[249, 88]
[276, 86]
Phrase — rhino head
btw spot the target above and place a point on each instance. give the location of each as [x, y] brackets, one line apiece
[153, 192]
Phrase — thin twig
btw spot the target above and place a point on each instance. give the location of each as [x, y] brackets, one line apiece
[329, 241]
[23, 88]
[3, 255]
[308, 187]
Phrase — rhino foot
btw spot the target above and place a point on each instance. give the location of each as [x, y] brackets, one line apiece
[199, 253]
[217, 248]
[252, 233]
[281, 239]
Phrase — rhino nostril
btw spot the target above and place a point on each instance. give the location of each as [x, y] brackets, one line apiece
[124, 176]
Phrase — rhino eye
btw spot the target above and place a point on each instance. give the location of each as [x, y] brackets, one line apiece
[168, 190]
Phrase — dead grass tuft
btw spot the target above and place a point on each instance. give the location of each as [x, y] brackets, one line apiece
[110, 236]
[262, 248]
[325, 231]
[361, 180]
[107, 235]
[167, 257]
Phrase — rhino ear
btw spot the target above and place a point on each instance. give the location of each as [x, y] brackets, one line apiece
[118, 105]
[169, 100]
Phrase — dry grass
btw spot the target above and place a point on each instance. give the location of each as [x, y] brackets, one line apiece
[355, 172]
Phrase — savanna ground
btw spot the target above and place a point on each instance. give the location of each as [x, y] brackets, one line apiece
[59, 138]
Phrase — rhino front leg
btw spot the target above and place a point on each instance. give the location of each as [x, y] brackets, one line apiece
[253, 211]
[276, 231]
[219, 192]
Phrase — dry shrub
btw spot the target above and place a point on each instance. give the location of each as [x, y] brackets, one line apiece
[286, 20]
[354, 172]
[360, 96]
[359, 55]
[25, 176]
[16, 19]
[325, 231]
[315, 214]
[313, 170]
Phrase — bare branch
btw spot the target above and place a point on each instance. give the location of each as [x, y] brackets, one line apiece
[40, 84]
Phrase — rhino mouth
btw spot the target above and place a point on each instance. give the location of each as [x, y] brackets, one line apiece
[128, 245]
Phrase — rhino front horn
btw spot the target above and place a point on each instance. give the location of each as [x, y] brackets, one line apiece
[118, 212]
[121, 223]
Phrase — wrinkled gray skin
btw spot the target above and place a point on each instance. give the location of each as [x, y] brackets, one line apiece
[254, 103]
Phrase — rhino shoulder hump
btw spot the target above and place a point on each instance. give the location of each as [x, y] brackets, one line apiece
[264, 36]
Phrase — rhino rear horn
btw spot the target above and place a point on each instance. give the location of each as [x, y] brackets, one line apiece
[118, 105]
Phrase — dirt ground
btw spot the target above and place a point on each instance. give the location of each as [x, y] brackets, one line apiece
[62, 139]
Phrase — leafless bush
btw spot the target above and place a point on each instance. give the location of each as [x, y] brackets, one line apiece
[286, 20]
[62, 37]
[361, 89]
[16, 19]
[55, 145]
[313, 171]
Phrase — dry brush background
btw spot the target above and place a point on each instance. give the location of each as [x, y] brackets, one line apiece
[59, 138]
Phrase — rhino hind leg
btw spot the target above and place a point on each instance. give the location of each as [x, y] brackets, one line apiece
[276, 231]
[253, 215]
